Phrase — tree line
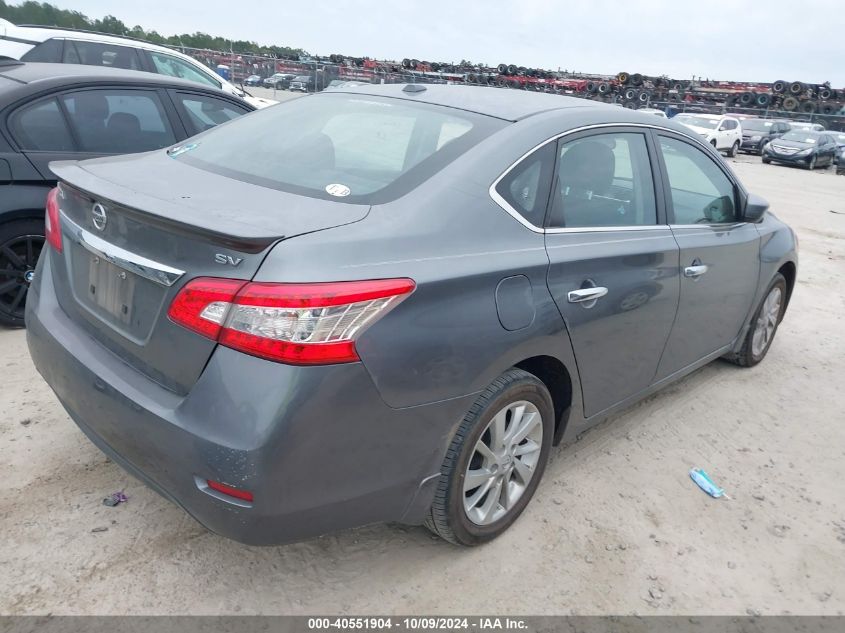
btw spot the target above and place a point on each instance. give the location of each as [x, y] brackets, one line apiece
[44, 13]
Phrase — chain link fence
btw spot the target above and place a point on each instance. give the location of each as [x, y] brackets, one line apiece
[277, 74]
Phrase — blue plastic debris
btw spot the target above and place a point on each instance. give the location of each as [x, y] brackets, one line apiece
[703, 481]
[115, 498]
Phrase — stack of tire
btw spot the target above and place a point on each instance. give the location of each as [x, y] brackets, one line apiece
[807, 98]
[637, 91]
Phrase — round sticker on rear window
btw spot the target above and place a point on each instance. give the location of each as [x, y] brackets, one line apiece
[336, 189]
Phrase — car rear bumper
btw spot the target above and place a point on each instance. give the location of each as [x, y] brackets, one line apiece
[752, 146]
[317, 446]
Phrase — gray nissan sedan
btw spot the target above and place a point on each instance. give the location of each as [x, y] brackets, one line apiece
[387, 303]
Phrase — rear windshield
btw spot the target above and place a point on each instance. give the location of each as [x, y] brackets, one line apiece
[351, 148]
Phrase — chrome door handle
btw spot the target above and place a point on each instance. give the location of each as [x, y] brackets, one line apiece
[586, 294]
[695, 271]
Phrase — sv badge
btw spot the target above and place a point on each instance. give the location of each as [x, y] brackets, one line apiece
[220, 258]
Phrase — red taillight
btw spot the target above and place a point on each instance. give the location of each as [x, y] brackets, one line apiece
[52, 228]
[237, 493]
[299, 324]
[203, 303]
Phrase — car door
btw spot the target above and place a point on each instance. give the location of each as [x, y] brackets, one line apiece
[719, 254]
[84, 123]
[613, 262]
[722, 135]
[827, 148]
[200, 112]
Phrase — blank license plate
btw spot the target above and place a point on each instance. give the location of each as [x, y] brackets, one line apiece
[111, 288]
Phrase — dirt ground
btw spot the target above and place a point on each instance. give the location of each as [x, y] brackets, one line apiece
[616, 527]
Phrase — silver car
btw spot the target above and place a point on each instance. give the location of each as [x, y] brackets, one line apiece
[388, 303]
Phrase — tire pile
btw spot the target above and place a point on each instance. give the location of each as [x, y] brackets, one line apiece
[631, 90]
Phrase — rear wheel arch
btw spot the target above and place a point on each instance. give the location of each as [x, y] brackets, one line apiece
[554, 374]
[790, 273]
[21, 214]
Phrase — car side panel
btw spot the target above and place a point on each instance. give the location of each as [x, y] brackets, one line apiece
[446, 339]
[778, 247]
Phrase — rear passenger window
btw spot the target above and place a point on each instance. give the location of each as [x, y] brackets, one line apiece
[604, 180]
[118, 121]
[97, 54]
[205, 112]
[41, 127]
[701, 192]
[525, 188]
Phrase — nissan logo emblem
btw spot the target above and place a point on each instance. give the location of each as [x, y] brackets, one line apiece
[98, 216]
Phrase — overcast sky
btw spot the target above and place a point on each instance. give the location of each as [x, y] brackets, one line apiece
[742, 40]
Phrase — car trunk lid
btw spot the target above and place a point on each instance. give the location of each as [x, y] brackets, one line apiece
[134, 231]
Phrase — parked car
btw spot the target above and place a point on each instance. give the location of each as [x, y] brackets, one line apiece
[839, 139]
[253, 80]
[302, 83]
[279, 81]
[653, 111]
[757, 133]
[722, 132]
[805, 148]
[389, 303]
[55, 112]
[70, 46]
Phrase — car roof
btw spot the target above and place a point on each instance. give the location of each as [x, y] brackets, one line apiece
[32, 77]
[38, 34]
[502, 103]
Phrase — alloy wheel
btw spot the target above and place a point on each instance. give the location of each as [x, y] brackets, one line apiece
[18, 257]
[503, 462]
[767, 321]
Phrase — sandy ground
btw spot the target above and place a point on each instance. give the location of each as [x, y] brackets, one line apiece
[616, 527]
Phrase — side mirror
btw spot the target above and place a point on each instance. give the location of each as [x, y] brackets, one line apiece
[755, 208]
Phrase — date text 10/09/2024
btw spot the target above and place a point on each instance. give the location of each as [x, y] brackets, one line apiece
[416, 624]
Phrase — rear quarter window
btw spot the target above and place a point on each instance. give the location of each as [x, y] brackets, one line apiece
[41, 127]
[48, 51]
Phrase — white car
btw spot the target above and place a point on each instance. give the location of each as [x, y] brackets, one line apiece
[722, 132]
[653, 111]
[48, 44]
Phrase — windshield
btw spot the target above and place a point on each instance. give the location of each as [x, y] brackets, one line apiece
[697, 121]
[361, 149]
[840, 139]
[801, 137]
[757, 125]
[301, 78]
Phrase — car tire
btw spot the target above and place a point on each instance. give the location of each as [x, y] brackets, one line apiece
[733, 150]
[488, 423]
[713, 143]
[764, 325]
[766, 160]
[21, 242]
[812, 164]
